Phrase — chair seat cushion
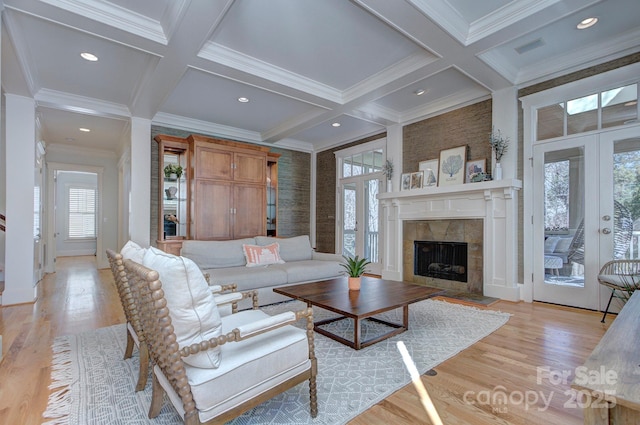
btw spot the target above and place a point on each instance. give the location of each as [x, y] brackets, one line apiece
[248, 367]
[622, 281]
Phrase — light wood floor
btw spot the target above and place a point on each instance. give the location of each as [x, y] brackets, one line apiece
[78, 298]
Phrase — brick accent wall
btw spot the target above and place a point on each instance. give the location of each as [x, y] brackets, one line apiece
[326, 195]
[469, 126]
[294, 187]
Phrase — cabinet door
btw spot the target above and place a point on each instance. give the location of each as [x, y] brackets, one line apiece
[212, 210]
[250, 168]
[249, 207]
[213, 163]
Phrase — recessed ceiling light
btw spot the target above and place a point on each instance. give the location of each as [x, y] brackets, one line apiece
[336, 124]
[86, 130]
[89, 56]
[586, 23]
[243, 99]
[419, 92]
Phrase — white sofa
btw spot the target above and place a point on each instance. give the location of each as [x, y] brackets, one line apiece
[226, 263]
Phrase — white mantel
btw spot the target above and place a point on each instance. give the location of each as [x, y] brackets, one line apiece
[495, 202]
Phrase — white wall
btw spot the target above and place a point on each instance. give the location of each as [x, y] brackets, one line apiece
[64, 246]
[109, 196]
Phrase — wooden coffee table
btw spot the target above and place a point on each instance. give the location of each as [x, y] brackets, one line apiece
[374, 297]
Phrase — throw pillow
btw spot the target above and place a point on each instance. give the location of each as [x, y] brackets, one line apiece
[262, 255]
[193, 309]
[132, 251]
[563, 245]
[297, 248]
[550, 243]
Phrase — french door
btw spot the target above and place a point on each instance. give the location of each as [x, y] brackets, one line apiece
[587, 196]
[360, 220]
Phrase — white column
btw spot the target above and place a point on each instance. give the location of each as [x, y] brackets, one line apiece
[505, 118]
[394, 152]
[20, 163]
[140, 207]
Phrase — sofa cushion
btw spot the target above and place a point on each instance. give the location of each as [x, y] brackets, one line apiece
[194, 313]
[260, 256]
[216, 254]
[132, 251]
[248, 277]
[296, 248]
[304, 271]
[249, 366]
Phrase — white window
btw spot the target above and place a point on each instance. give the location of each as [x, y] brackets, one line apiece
[82, 213]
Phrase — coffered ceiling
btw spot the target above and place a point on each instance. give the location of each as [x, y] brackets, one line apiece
[303, 65]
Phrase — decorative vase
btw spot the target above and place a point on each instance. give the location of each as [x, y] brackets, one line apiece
[497, 173]
[389, 185]
[354, 283]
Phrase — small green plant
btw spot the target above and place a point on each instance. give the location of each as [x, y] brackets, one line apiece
[173, 169]
[355, 266]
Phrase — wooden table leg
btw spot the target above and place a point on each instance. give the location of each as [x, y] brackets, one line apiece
[405, 316]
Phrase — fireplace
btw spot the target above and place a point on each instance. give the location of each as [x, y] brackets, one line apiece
[443, 260]
[484, 215]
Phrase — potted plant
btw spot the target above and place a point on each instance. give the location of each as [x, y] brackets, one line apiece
[173, 169]
[499, 145]
[355, 267]
[387, 170]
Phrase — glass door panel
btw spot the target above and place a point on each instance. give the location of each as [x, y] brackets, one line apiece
[565, 230]
[349, 219]
[371, 221]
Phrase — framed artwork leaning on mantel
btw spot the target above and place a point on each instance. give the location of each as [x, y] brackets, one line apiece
[430, 170]
[452, 166]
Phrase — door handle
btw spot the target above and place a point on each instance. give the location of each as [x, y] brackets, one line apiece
[606, 230]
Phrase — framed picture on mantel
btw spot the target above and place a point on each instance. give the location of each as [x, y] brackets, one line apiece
[452, 166]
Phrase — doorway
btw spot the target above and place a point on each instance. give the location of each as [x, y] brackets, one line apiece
[359, 183]
[74, 213]
[587, 200]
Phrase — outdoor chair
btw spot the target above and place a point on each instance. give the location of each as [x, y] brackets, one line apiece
[224, 295]
[213, 368]
[620, 275]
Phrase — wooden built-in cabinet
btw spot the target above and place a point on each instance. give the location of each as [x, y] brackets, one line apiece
[228, 184]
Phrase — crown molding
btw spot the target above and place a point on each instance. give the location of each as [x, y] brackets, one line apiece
[190, 124]
[218, 53]
[294, 145]
[593, 55]
[22, 52]
[406, 66]
[114, 16]
[497, 62]
[509, 14]
[172, 16]
[444, 105]
[447, 17]
[81, 104]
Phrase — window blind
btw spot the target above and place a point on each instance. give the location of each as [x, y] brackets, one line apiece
[82, 213]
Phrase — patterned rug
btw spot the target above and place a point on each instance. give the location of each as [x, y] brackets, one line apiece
[93, 385]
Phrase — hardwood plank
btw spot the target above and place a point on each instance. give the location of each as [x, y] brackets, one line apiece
[78, 298]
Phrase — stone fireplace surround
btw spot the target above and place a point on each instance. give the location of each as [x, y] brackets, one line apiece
[495, 203]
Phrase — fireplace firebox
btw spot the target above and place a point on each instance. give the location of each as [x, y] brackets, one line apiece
[443, 260]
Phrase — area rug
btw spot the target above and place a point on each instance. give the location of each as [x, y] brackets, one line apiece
[93, 385]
